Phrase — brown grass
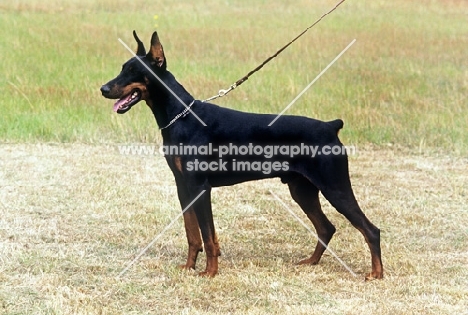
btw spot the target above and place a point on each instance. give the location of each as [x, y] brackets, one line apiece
[74, 215]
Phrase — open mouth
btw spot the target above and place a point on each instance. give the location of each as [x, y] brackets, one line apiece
[125, 103]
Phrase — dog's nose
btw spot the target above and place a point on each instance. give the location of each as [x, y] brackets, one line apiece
[105, 89]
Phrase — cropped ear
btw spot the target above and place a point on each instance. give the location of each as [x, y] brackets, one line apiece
[141, 51]
[156, 53]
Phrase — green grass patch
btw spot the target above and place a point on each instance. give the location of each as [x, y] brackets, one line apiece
[405, 80]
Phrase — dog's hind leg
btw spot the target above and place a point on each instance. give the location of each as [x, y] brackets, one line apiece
[347, 205]
[338, 191]
[306, 195]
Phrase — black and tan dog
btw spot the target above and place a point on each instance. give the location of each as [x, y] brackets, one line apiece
[144, 77]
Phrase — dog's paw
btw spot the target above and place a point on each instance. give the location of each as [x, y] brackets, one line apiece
[308, 261]
[186, 267]
[374, 276]
[208, 274]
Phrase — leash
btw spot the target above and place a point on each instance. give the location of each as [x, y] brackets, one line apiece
[222, 93]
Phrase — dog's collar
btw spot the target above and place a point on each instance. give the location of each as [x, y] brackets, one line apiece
[180, 115]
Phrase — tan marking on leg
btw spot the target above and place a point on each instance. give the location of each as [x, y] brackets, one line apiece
[194, 239]
[178, 164]
[212, 253]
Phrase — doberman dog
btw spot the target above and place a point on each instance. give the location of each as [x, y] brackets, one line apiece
[180, 117]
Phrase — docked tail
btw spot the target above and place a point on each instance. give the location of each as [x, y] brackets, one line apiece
[336, 124]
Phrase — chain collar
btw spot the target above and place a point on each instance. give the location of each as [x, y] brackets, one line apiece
[180, 115]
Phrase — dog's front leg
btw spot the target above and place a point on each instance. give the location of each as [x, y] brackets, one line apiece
[192, 229]
[195, 244]
[203, 211]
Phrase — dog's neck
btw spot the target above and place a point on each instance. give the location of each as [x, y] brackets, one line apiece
[163, 103]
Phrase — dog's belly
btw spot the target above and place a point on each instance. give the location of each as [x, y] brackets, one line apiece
[232, 178]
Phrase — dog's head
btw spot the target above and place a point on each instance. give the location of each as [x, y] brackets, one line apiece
[130, 86]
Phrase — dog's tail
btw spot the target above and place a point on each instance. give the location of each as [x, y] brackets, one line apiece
[336, 124]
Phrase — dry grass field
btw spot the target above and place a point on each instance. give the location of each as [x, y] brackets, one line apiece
[74, 211]
[74, 215]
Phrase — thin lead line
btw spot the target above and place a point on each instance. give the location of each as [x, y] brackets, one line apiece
[313, 81]
[159, 235]
[318, 238]
[164, 84]
[222, 93]
[22, 93]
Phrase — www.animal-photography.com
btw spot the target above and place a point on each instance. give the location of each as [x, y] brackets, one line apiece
[234, 157]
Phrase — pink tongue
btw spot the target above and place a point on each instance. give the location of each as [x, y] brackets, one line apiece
[121, 102]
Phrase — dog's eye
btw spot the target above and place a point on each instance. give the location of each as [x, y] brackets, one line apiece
[132, 70]
[129, 69]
